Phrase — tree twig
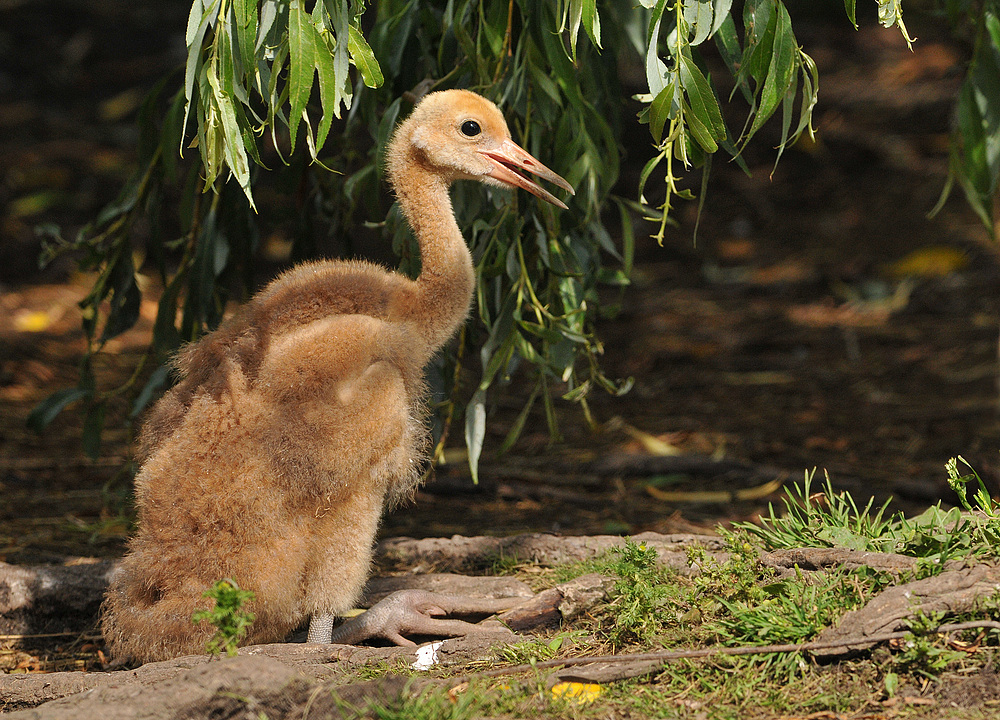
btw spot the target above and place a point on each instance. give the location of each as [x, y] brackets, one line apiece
[665, 656]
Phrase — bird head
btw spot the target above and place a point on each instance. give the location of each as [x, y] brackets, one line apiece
[463, 135]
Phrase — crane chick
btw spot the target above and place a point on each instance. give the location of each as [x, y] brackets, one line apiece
[298, 420]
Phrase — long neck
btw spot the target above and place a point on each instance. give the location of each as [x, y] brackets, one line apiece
[443, 292]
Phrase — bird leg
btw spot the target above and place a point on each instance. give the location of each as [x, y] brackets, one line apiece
[409, 612]
[321, 628]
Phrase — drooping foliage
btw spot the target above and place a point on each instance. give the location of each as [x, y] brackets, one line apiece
[296, 99]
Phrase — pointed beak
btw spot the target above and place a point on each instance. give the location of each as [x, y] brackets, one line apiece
[509, 158]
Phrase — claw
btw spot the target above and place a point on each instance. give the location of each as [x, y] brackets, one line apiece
[416, 612]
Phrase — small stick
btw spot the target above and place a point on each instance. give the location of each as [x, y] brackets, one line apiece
[667, 655]
[50, 635]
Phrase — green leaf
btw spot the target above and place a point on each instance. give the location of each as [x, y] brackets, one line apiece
[698, 15]
[198, 21]
[780, 70]
[703, 104]
[302, 66]
[655, 69]
[249, 138]
[268, 14]
[760, 20]
[723, 11]
[543, 82]
[221, 57]
[165, 336]
[787, 109]
[125, 298]
[728, 43]
[647, 170]
[574, 11]
[329, 90]
[660, 111]
[276, 98]
[172, 135]
[245, 12]
[849, 7]
[93, 426]
[364, 58]
[157, 380]
[475, 430]
[706, 172]
[842, 537]
[971, 166]
[699, 131]
[985, 78]
[518, 427]
[235, 152]
[628, 237]
[47, 410]
[592, 22]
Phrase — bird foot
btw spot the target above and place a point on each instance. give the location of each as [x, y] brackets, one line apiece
[409, 612]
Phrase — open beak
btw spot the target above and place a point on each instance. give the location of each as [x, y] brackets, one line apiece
[509, 158]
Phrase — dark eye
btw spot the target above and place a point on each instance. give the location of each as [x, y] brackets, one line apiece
[470, 128]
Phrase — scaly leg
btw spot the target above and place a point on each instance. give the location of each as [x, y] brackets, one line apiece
[321, 628]
[409, 612]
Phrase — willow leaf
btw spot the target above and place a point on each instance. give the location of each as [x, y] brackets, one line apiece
[985, 78]
[235, 152]
[780, 69]
[329, 90]
[698, 14]
[223, 60]
[47, 410]
[655, 69]
[364, 58]
[759, 19]
[659, 112]
[849, 6]
[195, 36]
[702, 100]
[246, 32]
[339, 24]
[647, 170]
[722, 10]
[302, 64]
[974, 174]
[93, 426]
[787, 109]
[475, 430]
[699, 130]
[592, 22]
[728, 43]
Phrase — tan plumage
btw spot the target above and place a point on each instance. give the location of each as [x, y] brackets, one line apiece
[300, 418]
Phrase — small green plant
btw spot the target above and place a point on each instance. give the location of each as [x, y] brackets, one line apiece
[832, 519]
[531, 651]
[231, 621]
[641, 594]
[921, 655]
[796, 609]
[503, 564]
[986, 508]
[736, 579]
[824, 519]
[431, 704]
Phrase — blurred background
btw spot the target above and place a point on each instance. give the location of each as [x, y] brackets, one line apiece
[820, 319]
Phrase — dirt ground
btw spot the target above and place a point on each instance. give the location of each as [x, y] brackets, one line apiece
[820, 321]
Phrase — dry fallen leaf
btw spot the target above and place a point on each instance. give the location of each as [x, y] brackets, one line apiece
[933, 261]
[32, 321]
[579, 693]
